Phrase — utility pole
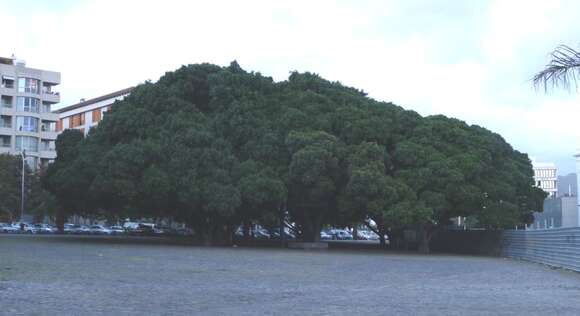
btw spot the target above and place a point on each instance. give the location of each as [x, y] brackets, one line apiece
[23, 155]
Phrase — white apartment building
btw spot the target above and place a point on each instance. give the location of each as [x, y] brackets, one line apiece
[27, 123]
[577, 156]
[546, 177]
[88, 113]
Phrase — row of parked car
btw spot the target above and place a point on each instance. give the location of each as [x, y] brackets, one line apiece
[330, 234]
[148, 229]
[343, 234]
[138, 229]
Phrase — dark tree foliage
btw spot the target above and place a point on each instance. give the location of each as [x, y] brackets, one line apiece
[10, 187]
[215, 147]
[37, 201]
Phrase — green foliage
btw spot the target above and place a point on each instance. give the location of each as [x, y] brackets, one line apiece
[216, 146]
[37, 201]
[10, 186]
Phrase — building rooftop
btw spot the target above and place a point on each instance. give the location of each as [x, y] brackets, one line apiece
[6, 60]
[95, 100]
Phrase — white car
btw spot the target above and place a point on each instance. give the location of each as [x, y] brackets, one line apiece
[367, 235]
[6, 228]
[340, 234]
[44, 229]
[325, 236]
[24, 228]
[100, 230]
[117, 230]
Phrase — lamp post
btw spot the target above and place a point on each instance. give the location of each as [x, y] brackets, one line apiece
[23, 155]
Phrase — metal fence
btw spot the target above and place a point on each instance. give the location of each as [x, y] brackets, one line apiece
[556, 247]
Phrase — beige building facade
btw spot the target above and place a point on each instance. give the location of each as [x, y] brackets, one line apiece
[88, 113]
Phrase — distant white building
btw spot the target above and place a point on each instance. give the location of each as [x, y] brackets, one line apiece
[546, 177]
[577, 156]
[558, 213]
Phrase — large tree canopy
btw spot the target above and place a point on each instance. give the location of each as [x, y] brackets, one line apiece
[216, 146]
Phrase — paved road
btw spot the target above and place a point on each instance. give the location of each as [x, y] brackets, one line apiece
[62, 276]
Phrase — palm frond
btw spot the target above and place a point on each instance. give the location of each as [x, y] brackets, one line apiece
[563, 69]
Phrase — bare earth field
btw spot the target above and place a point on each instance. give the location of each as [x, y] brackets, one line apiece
[62, 275]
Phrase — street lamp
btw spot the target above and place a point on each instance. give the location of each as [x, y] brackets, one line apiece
[23, 155]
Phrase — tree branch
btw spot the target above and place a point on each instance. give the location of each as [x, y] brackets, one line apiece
[563, 69]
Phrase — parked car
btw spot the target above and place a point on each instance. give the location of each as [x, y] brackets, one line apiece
[24, 228]
[80, 230]
[340, 234]
[325, 236]
[68, 228]
[275, 234]
[7, 228]
[117, 230]
[142, 229]
[257, 233]
[367, 235]
[99, 230]
[44, 229]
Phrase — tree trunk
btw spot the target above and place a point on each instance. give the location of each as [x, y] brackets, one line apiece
[60, 219]
[355, 232]
[425, 233]
[381, 230]
[311, 231]
[246, 228]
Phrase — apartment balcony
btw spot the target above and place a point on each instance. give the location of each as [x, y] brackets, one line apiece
[47, 153]
[53, 117]
[10, 92]
[50, 77]
[50, 96]
[51, 135]
[6, 110]
[6, 130]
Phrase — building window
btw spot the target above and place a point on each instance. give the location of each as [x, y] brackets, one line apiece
[29, 85]
[7, 82]
[45, 108]
[27, 124]
[5, 141]
[26, 104]
[5, 121]
[6, 101]
[59, 125]
[26, 143]
[77, 120]
[96, 115]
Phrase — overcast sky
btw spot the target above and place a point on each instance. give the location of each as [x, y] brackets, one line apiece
[472, 60]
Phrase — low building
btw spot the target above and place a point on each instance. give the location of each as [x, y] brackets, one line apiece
[546, 177]
[567, 185]
[558, 212]
[27, 123]
[88, 113]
